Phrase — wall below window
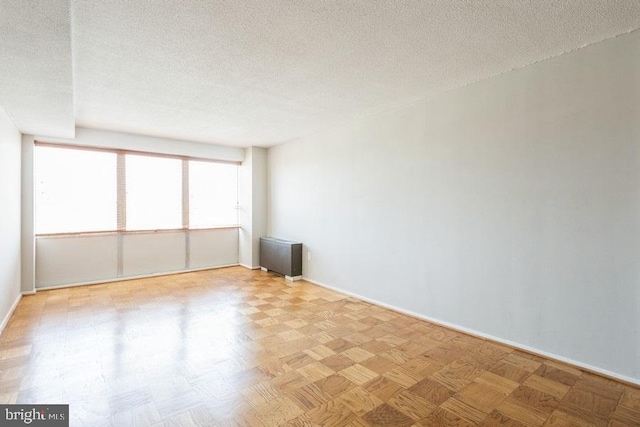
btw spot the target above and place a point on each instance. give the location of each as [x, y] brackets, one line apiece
[74, 259]
[509, 207]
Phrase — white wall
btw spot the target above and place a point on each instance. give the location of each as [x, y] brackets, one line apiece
[260, 202]
[252, 196]
[10, 169]
[151, 144]
[510, 207]
[76, 259]
[215, 248]
[28, 252]
[245, 217]
[143, 253]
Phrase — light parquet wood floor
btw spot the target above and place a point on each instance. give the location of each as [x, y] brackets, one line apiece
[240, 347]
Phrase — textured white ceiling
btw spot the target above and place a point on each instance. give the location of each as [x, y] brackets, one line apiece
[246, 72]
[36, 80]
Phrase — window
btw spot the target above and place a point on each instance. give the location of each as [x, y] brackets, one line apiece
[84, 190]
[213, 194]
[75, 190]
[154, 193]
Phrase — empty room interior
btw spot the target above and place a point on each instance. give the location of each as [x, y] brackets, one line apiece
[320, 213]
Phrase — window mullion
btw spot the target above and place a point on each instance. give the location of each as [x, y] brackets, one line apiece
[185, 213]
[185, 194]
[121, 174]
[122, 192]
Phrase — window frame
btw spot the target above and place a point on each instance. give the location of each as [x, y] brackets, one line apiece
[121, 190]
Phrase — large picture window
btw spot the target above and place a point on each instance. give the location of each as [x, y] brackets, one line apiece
[75, 190]
[213, 195]
[154, 193]
[83, 190]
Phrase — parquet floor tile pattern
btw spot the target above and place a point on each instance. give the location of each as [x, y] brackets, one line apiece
[235, 347]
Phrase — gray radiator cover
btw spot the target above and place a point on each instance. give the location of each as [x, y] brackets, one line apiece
[281, 256]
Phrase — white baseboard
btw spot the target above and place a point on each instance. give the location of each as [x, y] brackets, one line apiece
[122, 279]
[10, 313]
[579, 365]
[249, 267]
[29, 292]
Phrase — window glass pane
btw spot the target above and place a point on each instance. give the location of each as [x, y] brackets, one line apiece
[154, 193]
[75, 190]
[213, 194]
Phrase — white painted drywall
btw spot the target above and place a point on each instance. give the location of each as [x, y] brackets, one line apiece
[153, 253]
[245, 202]
[76, 259]
[213, 248]
[510, 207]
[252, 200]
[259, 202]
[151, 144]
[28, 251]
[10, 169]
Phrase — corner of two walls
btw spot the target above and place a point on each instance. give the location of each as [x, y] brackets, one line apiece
[508, 208]
[28, 251]
[252, 201]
